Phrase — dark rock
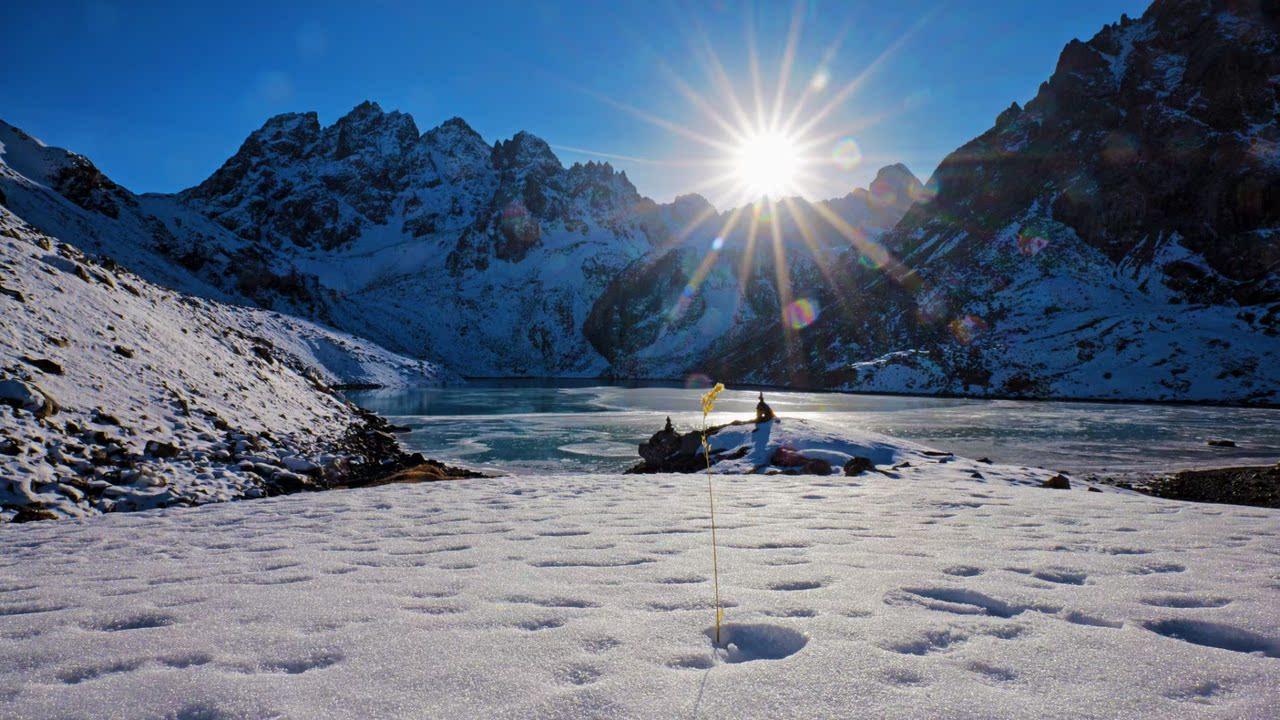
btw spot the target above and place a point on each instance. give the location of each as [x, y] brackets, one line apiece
[764, 413]
[123, 351]
[15, 294]
[28, 513]
[1258, 486]
[429, 471]
[1094, 489]
[44, 365]
[1057, 482]
[816, 466]
[103, 418]
[664, 444]
[858, 465]
[1222, 443]
[787, 458]
[159, 449]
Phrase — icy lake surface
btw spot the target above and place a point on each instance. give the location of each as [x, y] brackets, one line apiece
[534, 426]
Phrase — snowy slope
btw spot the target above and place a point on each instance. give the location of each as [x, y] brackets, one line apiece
[1066, 322]
[590, 596]
[121, 395]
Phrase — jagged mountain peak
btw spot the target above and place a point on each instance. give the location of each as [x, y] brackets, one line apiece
[525, 151]
[898, 179]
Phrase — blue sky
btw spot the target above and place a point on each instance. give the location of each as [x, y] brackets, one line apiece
[160, 94]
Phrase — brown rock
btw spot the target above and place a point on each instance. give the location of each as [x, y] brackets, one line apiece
[1057, 482]
[44, 365]
[858, 465]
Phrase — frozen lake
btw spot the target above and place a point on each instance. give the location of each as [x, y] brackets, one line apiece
[535, 426]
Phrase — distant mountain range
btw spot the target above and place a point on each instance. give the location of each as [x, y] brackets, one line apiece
[1115, 238]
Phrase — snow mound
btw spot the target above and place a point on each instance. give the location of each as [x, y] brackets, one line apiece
[782, 444]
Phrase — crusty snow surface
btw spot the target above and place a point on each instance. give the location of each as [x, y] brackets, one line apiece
[932, 594]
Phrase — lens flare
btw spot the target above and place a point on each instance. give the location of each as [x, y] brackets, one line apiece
[763, 214]
[966, 329]
[931, 306]
[924, 193]
[800, 314]
[846, 154]
[820, 80]
[696, 380]
[717, 244]
[1030, 242]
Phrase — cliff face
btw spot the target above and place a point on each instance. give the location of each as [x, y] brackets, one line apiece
[1119, 236]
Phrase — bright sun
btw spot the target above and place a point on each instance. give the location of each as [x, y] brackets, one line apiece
[767, 165]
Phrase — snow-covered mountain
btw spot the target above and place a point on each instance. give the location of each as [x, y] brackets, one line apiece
[717, 279]
[1115, 238]
[488, 257]
[116, 394]
[1118, 237]
[496, 260]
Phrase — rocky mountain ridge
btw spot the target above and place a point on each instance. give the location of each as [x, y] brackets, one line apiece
[1117, 237]
[1114, 238]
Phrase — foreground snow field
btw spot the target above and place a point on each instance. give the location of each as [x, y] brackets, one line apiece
[929, 595]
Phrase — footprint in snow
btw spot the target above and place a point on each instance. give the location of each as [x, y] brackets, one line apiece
[540, 624]
[579, 674]
[927, 643]
[691, 662]
[795, 585]
[1185, 601]
[82, 673]
[749, 642]
[597, 646]
[991, 672]
[904, 677]
[138, 621]
[961, 601]
[1216, 635]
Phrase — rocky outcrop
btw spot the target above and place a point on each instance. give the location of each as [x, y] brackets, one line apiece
[1259, 486]
[671, 451]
